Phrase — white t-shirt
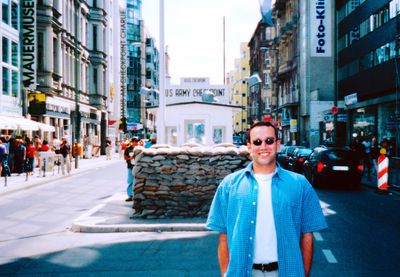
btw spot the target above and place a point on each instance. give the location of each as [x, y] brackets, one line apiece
[57, 144]
[265, 243]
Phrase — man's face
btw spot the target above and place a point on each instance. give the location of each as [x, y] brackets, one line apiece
[263, 154]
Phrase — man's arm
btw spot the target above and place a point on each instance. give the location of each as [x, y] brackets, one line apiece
[223, 253]
[306, 245]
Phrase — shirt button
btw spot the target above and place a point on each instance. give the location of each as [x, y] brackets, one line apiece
[254, 203]
[251, 238]
[255, 187]
[252, 222]
[249, 255]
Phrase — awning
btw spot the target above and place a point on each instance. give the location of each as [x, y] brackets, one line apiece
[25, 124]
[4, 125]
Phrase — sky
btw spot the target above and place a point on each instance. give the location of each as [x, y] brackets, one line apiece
[193, 34]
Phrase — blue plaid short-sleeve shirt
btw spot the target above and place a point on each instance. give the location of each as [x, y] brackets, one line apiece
[296, 210]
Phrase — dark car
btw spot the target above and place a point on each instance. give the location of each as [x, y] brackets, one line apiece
[336, 166]
[284, 156]
[238, 141]
[297, 159]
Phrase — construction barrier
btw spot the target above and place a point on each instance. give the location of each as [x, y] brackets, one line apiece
[383, 172]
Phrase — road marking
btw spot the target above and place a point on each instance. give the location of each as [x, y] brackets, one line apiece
[329, 256]
[318, 237]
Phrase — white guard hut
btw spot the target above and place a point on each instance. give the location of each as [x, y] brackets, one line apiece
[197, 112]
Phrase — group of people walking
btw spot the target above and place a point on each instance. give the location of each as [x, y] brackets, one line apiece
[368, 150]
[22, 154]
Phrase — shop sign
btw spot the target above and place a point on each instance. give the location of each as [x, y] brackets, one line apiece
[56, 108]
[350, 99]
[133, 126]
[37, 103]
[321, 28]
[293, 125]
[28, 42]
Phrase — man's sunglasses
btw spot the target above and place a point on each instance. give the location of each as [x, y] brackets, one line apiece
[268, 141]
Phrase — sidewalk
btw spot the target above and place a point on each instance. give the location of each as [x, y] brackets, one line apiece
[373, 183]
[19, 182]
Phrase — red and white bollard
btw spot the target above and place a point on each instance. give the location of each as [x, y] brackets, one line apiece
[383, 170]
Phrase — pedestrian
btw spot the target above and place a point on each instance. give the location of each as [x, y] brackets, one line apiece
[65, 151]
[30, 156]
[367, 157]
[265, 215]
[151, 141]
[37, 143]
[20, 156]
[56, 144]
[4, 168]
[108, 148]
[374, 154]
[129, 157]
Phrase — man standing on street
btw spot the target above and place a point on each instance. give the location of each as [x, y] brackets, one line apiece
[265, 215]
[130, 161]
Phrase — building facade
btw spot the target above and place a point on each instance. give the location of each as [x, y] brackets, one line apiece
[260, 94]
[237, 83]
[368, 70]
[134, 62]
[304, 74]
[10, 93]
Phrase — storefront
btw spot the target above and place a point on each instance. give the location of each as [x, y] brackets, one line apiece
[379, 121]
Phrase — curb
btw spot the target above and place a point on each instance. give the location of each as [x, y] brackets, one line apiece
[93, 221]
[121, 228]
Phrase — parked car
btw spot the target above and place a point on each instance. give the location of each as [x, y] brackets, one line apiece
[297, 159]
[336, 166]
[238, 141]
[284, 156]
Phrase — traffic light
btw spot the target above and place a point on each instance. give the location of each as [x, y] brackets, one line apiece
[122, 124]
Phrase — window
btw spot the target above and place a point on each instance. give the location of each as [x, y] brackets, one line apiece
[95, 79]
[6, 54]
[14, 54]
[40, 51]
[55, 56]
[5, 4]
[14, 76]
[94, 37]
[194, 131]
[218, 134]
[6, 81]
[14, 15]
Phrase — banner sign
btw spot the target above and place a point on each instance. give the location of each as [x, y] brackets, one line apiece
[28, 43]
[321, 28]
[123, 57]
[266, 12]
[37, 103]
[186, 93]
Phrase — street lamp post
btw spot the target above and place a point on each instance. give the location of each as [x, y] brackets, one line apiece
[161, 103]
[77, 112]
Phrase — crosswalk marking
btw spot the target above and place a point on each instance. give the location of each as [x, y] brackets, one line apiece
[317, 236]
[329, 256]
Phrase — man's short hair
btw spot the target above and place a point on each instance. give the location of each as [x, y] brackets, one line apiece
[263, 124]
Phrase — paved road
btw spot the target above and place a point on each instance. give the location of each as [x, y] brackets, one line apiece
[35, 239]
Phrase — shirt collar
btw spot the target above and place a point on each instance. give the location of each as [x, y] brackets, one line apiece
[278, 170]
